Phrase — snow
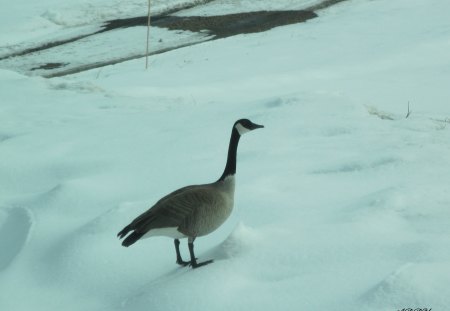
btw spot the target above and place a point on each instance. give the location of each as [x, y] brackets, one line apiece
[43, 18]
[341, 202]
[219, 7]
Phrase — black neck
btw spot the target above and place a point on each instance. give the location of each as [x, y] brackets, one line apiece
[230, 168]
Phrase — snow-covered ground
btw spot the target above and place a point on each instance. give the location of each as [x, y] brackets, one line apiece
[218, 7]
[21, 20]
[341, 202]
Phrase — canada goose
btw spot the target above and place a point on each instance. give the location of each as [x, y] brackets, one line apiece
[192, 211]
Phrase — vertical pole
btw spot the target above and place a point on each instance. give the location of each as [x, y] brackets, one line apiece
[148, 36]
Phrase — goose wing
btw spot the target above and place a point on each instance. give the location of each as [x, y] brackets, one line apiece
[175, 209]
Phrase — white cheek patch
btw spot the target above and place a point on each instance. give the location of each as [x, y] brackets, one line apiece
[241, 130]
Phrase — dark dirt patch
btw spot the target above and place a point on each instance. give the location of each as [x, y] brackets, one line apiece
[241, 23]
[220, 26]
[50, 66]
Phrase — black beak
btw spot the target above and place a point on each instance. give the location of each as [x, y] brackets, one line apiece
[256, 126]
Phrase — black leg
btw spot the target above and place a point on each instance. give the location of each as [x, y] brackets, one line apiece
[180, 260]
[194, 263]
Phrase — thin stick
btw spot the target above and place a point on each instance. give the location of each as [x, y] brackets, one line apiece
[148, 36]
[409, 112]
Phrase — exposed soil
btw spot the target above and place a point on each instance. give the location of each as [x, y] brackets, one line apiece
[219, 26]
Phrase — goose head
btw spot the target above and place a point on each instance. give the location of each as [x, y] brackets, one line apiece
[243, 126]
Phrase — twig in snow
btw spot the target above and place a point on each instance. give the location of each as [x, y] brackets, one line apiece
[408, 113]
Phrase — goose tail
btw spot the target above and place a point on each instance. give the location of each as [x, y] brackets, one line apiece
[124, 232]
[132, 238]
